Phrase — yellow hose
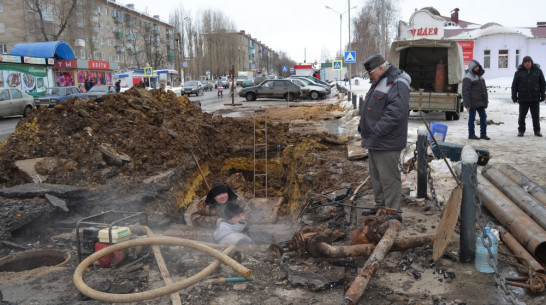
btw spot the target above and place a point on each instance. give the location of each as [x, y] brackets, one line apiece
[158, 292]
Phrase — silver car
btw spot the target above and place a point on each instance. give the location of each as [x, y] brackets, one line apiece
[308, 90]
[15, 102]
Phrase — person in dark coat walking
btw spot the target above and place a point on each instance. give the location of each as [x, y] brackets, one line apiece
[528, 90]
[118, 85]
[384, 129]
[475, 99]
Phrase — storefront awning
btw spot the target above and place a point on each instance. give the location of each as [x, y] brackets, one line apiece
[48, 49]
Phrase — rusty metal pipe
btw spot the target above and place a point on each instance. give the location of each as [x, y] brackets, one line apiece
[522, 227]
[519, 196]
[326, 250]
[536, 272]
[525, 182]
[361, 281]
[518, 250]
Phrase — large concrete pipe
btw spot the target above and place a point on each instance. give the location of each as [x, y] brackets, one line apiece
[526, 183]
[519, 196]
[522, 227]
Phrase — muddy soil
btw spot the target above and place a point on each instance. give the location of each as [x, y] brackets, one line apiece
[138, 135]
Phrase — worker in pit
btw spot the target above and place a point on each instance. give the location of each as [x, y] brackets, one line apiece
[211, 209]
[233, 229]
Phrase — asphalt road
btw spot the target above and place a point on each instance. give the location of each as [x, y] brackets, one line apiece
[7, 126]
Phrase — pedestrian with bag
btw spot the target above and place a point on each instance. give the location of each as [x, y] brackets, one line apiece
[384, 129]
[475, 99]
[220, 86]
[528, 88]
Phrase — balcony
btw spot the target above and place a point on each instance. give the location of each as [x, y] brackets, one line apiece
[118, 19]
[130, 37]
[96, 45]
[118, 34]
[120, 49]
[170, 55]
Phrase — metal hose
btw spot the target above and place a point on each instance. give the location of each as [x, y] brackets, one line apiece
[221, 257]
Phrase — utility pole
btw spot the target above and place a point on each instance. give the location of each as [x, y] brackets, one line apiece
[382, 41]
[349, 44]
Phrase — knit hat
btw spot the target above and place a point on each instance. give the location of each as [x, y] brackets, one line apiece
[373, 62]
[527, 58]
[232, 209]
[217, 189]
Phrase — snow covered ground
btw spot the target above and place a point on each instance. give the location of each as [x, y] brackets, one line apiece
[526, 154]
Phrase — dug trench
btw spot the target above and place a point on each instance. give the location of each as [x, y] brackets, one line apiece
[153, 152]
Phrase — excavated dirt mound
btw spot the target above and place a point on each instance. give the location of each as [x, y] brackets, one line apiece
[138, 132]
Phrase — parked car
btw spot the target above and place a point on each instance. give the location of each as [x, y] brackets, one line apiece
[309, 80]
[310, 91]
[225, 82]
[314, 79]
[207, 85]
[258, 80]
[193, 87]
[248, 83]
[55, 95]
[98, 91]
[240, 79]
[15, 102]
[273, 88]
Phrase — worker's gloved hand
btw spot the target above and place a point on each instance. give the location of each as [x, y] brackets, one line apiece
[514, 100]
[359, 131]
[467, 108]
[486, 106]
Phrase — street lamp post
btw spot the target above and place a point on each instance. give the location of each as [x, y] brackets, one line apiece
[340, 26]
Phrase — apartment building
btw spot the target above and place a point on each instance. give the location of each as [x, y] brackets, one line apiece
[100, 30]
[237, 50]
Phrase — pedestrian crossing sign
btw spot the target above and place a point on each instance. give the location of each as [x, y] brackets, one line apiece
[148, 71]
[337, 65]
[350, 57]
[284, 69]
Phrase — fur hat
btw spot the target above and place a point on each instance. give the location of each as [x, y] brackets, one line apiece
[217, 189]
[527, 58]
[232, 209]
[373, 62]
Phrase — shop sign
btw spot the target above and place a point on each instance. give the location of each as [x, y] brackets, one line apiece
[10, 58]
[66, 64]
[34, 60]
[99, 65]
[424, 32]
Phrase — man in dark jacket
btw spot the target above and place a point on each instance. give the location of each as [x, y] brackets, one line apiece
[528, 90]
[384, 128]
[475, 99]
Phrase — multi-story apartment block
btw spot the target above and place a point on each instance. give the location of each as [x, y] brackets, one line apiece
[100, 30]
[238, 50]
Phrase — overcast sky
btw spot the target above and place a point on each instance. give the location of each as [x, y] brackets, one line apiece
[306, 28]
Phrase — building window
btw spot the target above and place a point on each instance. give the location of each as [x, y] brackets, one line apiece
[503, 59]
[487, 59]
[3, 48]
[517, 58]
[117, 58]
[106, 11]
[1, 7]
[101, 41]
[82, 53]
[109, 42]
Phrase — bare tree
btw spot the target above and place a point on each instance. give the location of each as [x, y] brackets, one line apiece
[367, 29]
[52, 16]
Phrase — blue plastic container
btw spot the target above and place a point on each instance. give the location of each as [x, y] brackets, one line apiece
[481, 262]
[439, 131]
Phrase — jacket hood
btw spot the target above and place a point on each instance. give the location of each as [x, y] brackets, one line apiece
[533, 66]
[473, 63]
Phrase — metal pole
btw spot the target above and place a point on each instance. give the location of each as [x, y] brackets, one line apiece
[422, 161]
[349, 42]
[340, 55]
[467, 233]
[382, 40]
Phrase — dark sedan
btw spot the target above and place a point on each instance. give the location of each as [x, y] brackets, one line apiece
[273, 88]
[97, 92]
[193, 87]
[55, 95]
